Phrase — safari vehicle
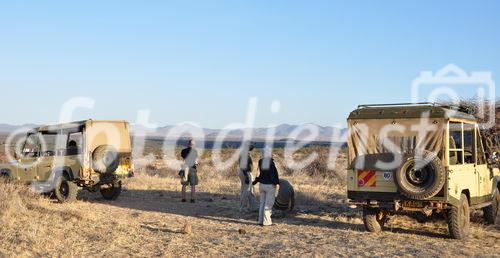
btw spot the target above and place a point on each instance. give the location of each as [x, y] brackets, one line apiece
[421, 160]
[57, 159]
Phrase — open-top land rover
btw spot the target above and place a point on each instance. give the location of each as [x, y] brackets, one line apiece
[57, 159]
[421, 160]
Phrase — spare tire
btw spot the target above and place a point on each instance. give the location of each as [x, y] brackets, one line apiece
[420, 177]
[105, 159]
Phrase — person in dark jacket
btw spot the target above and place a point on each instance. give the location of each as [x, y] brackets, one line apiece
[189, 172]
[269, 181]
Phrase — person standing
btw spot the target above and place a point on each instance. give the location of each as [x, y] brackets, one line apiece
[269, 181]
[189, 172]
[247, 194]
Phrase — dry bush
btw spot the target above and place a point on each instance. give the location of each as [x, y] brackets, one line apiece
[318, 168]
[473, 107]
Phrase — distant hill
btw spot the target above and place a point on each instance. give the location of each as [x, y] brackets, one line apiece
[6, 128]
[281, 132]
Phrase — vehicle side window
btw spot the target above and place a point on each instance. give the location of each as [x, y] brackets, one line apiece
[31, 146]
[469, 149]
[481, 158]
[456, 146]
[51, 143]
[456, 134]
[75, 144]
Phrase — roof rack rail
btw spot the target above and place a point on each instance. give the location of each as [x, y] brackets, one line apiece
[418, 104]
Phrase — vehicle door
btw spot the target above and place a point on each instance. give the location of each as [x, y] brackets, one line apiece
[485, 174]
[53, 146]
[28, 159]
[463, 174]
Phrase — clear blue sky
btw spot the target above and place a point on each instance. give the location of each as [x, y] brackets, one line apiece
[202, 60]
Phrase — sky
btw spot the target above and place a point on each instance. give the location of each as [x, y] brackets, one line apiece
[202, 61]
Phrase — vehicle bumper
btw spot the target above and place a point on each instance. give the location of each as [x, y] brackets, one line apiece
[393, 201]
[379, 196]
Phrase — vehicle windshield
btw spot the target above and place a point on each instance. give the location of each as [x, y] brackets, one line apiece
[383, 136]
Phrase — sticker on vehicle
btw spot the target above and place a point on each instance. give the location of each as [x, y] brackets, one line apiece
[367, 178]
[388, 176]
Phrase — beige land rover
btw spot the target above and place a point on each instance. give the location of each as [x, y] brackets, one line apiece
[421, 159]
[57, 159]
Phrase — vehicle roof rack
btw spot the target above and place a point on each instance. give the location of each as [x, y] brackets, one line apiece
[418, 104]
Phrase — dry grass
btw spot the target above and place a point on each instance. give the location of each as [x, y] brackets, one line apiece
[149, 220]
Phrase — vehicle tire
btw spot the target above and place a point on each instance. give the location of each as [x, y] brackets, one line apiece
[459, 219]
[374, 219]
[420, 178]
[105, 159]
[491, 212]
[65, 190]
[112, 192]
[5, 178]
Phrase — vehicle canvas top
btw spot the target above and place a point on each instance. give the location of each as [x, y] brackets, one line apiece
[401, 123]
[67, 127]
[381, 111]
[98, 132]
[108, 133]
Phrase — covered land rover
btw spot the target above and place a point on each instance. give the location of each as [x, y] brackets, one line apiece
[94, 155]
[421, 159]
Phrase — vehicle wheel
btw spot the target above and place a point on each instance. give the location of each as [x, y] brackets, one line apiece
[112, 192]
[105, 159]
[420, 178]
[459, 219]
[5, 178]
[491, 212]
[65, 190]
[374, 219]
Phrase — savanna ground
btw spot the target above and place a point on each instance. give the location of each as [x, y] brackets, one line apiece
[148, 220]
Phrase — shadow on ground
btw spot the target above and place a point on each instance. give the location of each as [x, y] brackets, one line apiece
[217, 207]
[224, 208]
